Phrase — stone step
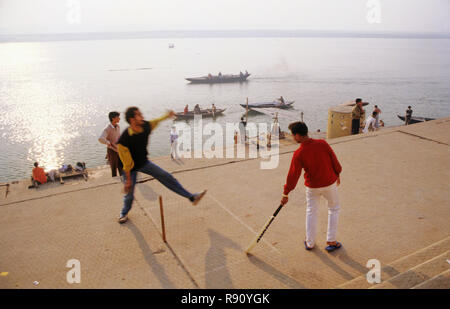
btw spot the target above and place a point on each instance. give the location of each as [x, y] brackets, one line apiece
[417, 274]
[441, 281]
[401, 265]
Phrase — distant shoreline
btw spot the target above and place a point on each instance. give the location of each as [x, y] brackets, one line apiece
[89, 36]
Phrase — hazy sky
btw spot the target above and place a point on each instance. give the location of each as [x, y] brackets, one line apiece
[62, 16]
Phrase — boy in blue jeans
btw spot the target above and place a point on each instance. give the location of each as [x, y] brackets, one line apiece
[132, 148]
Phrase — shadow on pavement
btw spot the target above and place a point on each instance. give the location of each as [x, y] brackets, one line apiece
[217, 275]
[343, 256]
[324, 257]
[157, 269]
[275, 273]
[147, 191]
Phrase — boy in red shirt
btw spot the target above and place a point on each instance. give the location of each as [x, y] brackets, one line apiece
[322, 171]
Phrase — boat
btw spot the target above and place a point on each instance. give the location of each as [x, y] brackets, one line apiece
[415, 119]
[275, 104]
[353, 103]
[205, 113]
[217, 79]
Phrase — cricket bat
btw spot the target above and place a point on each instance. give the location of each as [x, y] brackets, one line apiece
[263, 230]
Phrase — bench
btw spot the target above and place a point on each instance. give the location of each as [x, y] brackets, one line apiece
[72, 174]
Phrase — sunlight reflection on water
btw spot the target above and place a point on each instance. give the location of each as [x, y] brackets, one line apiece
[46, 120]
[40, 113]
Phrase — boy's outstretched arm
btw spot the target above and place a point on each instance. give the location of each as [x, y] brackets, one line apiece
[155, 122]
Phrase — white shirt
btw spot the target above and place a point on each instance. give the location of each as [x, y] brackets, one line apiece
[370, 123]
[110, 136]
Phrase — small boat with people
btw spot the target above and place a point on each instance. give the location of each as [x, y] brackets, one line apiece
[219, 78]
[205, 113]
[416, 119]
[277, 103]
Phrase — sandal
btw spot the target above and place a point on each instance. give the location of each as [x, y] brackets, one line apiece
[332, 247]
[306, 246]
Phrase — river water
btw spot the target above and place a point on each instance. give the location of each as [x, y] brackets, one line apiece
[55, 96]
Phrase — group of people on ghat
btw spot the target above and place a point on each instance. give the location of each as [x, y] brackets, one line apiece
[39, 176]
[373, 121]
[127, 153]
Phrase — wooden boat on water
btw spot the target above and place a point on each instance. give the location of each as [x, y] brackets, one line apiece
[276, 104]
[415, 119]
[217, 79]
[205, 113]
[353, 103]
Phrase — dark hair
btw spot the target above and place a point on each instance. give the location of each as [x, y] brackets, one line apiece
[298, 128]
[409, 106]
[358, 100]
[36, 164]
[376, 106]
[129, 113]
[113, 115]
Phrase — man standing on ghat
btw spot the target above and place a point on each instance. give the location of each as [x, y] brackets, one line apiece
[132, 147]
[357, 115]
[109, 137]
[322, 171]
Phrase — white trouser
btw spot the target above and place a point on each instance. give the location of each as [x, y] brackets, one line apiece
[174, 150]
[242, 136]
[330, 193]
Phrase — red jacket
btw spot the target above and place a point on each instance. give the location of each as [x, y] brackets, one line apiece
[320, 163]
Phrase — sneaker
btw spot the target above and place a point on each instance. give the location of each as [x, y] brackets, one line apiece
[198, 197]
[123, 219]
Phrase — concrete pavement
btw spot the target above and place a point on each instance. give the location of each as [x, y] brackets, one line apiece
[394, 202]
